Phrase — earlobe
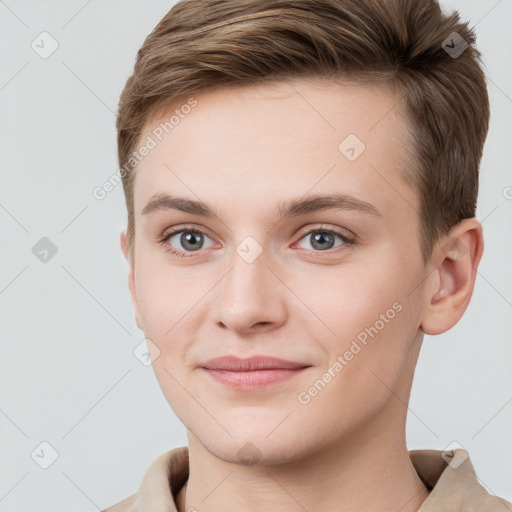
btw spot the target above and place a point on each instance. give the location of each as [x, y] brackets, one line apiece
[133, 293]
[131, 281]
[452, 282]
[124, 245]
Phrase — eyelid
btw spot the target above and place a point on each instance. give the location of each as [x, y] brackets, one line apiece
[169, 233]
[186, 227]
[347, 239]
[302, 232]
[343, 232]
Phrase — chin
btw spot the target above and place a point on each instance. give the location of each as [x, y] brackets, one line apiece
[247, 452]
[251, 444]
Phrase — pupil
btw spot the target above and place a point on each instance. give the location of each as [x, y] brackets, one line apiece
[320, 238]
[191, 239]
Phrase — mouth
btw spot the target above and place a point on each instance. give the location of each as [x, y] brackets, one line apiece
[251, 373]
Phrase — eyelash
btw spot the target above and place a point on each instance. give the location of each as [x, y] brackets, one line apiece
[180, 254]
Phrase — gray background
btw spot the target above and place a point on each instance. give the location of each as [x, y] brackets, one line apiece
[68, 374]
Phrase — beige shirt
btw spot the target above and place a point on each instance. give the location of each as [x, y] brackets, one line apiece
[454, 487]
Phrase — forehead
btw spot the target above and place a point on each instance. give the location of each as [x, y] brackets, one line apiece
[279, 140]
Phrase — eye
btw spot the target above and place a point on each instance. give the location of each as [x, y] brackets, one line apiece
[185, 240]
[321, 239]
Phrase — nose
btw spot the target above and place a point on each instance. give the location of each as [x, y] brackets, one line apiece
[250, 297]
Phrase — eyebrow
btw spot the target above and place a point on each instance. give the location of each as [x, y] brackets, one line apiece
[291, 208]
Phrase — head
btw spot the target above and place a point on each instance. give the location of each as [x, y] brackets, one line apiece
[247, 114]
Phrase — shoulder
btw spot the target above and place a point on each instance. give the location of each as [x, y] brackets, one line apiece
[160, 483]
[453, 483]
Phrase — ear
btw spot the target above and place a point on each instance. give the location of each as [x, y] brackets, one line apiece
[131, 280]
[450, 285]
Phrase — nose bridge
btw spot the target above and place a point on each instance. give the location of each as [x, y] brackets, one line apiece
[248, 293]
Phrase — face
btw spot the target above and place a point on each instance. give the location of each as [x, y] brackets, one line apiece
[333, 286]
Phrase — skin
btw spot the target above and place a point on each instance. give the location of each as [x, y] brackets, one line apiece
[244, 151]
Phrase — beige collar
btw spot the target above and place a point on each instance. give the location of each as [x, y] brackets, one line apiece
[454, 486]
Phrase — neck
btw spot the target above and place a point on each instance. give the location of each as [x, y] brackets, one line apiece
[371, 471]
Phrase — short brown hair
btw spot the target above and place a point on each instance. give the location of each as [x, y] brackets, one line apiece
[205, 45]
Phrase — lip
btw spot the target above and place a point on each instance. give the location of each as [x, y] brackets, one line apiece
[238, 364]
[253, 372]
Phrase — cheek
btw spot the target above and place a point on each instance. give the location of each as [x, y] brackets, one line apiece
[364, 362]
[343, 303]
[367, 325]
[173, 304]
[166, 303]
[168, 297]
